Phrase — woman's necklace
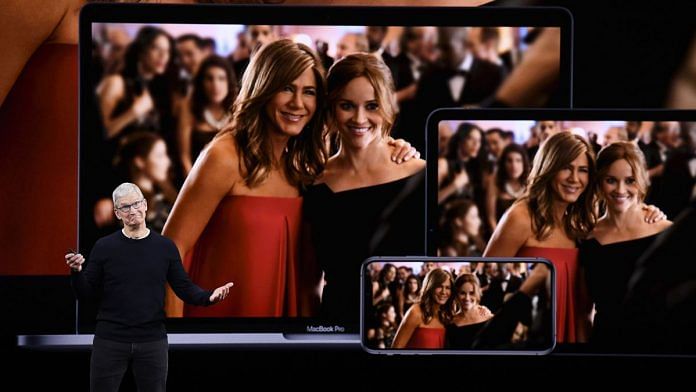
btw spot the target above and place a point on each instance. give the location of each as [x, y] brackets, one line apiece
[216, 124]
[512, 192]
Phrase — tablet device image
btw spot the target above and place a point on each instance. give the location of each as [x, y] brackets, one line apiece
[624, 285]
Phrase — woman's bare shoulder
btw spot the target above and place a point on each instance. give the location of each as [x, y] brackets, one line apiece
[414, 314]
[412, 166]
[221, 154]
[664, 224]
[66, 32]
[519, 214]
[111, 85]
[514, 228]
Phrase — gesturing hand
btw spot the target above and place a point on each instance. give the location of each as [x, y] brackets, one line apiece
[220, 293]
[74, 261]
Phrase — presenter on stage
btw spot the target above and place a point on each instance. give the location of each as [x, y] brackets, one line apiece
[127, 272]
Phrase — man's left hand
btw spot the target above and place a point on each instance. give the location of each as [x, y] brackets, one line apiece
[220, 293]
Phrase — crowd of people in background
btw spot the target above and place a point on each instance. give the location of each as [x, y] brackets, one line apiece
[590, 208]
[180, 89]
[482, 172]
[161, 100]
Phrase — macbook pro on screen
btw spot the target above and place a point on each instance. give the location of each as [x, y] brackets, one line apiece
[159, 86]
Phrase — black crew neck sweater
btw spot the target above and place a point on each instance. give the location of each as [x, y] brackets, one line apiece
[128, 278]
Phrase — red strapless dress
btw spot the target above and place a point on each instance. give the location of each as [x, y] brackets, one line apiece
[565, 261]
[38, 157]
[427, 338]
[252, 241]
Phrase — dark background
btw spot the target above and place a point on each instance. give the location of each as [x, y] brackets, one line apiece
[625, 55]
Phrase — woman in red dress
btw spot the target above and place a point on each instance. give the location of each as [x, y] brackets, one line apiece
[239, 212]
[423, 326]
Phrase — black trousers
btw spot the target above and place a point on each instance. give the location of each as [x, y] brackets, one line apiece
[110, 360]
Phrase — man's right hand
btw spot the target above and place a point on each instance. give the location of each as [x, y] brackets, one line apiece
[74, 261]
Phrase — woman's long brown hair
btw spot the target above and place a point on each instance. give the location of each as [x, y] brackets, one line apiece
[275, 66]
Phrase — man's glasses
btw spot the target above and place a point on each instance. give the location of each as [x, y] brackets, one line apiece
[127, 207]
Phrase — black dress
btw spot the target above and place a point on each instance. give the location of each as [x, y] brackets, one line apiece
[607, 271]
[158, 209]
[501, 206]
[200, 139]
[661, 299]
[462, 338]
[349, 226]
[158, 120]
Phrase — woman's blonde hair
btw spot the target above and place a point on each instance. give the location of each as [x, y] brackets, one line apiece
[274, 67]
[635, 158]
[376, 72]
[559, 151]
[434, 279]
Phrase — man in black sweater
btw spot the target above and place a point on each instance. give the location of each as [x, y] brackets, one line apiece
[127, 271]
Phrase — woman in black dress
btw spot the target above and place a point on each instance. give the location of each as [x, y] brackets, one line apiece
[136, 99]
[460, 172]
[385, 287]
[410, 294]
[621, 236]
[509, 185]
[470, 316]
[381, 335]
[207, 110]
[460, 229]
[143, 160]
[364, 203]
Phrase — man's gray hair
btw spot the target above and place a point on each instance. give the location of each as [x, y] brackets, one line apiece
[125, 189]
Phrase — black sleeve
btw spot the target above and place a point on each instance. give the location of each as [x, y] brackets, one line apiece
[183, 286]
[498, 330]
[88, 282]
